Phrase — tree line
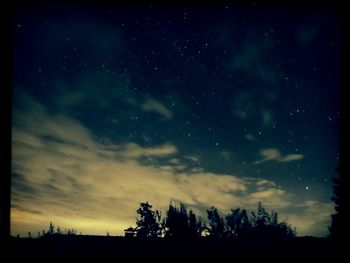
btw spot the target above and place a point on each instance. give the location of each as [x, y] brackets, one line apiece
[52, 230]
[179, 222]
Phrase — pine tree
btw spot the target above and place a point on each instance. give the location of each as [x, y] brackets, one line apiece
[148, 224]
[51, 229]
[216, 223]
[337, 228]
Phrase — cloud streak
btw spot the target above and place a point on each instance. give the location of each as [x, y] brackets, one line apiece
[273, 154]
[155, 106]
[250, 137]
[133, 150]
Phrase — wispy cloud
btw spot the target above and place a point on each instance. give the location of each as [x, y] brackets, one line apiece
[241, 113]
[270, 196]
[153, 105]
[273, 154]
[226, 154]
[266, 117]
[192, 158]
[250, 58]
[264, 182]
[245, 107]
[134, 150]
[250, 137]
[313, 218]
[292, 157]
[61, 173]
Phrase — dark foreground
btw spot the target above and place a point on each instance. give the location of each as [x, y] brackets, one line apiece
[120, 246]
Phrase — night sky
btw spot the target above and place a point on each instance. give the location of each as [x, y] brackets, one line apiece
[222, 105]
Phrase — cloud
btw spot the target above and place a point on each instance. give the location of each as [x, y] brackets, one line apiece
[152, 105]
[250, 137]
[270, 154]
[292, 157]
[66, 176]
[122, 102]
[271, 197]
[134, 150]
[62, 174]
[264, 183]
[266, 117]
[174, 161]
[243, 106]
[249, 57]
[242, 114]
[192, 158]
[312, 219]
[226, 154]
[273, 154]
[27, 210]
[254, 106]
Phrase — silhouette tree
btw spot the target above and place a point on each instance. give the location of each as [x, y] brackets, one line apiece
[233, 221]
[180, 224]
[51, 229]
[72, 231]
[216, 223]
[337, 227]
[196, 226]
[176, 221]
[283, 230]
[237, 223]
[245, 225]
[58, 231]
[148, 225]
[274, 218]
[262, 218]
[265, 225]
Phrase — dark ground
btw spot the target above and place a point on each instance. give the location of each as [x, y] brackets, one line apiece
[120, 246]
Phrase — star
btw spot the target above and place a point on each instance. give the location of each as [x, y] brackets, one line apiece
[169, 92]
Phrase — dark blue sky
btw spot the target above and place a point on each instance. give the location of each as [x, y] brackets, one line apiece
[188, 95]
